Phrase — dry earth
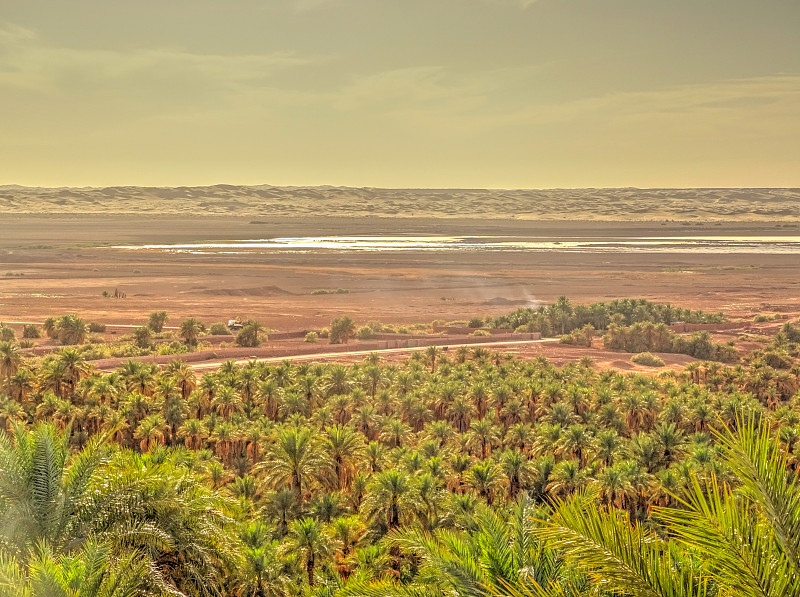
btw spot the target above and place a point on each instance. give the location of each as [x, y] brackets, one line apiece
[56, 253]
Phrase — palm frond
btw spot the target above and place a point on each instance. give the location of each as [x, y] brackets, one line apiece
[617, 556]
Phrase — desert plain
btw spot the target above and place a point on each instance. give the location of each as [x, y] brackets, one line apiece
[62, 249]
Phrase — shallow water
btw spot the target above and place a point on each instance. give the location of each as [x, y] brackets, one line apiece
[666, 244]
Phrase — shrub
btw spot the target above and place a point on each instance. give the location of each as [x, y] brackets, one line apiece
[365, 333]
[479, 333]
[219, 329]
[31, 331]
[311, 337]
[761, 318]
[475, 322]
[157, 321]
[7, 334]
[143, 337]
[96, 327]
[27, 343]
[648, 359]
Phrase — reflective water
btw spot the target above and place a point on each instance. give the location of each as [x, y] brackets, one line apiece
[665, 244]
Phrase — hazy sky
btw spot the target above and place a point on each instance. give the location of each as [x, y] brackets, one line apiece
[420, 93]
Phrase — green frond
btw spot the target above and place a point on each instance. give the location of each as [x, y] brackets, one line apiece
[617, 556]
[757, 459]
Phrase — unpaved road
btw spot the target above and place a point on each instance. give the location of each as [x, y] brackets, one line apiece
[334, 356]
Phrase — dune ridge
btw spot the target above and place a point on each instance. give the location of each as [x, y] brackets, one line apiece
[620, 204]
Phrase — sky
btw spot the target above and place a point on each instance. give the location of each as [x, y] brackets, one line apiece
[401, 93]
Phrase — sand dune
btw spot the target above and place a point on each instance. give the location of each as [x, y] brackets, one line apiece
[625, 204]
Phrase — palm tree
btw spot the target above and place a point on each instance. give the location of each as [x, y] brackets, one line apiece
[746, 538]
[485, 478]
[157, 321]
[517, 470]
[93, 571]
[10, 360]
[294, 461]
[390, 499]
[71, 329]
[499, 556]
[342, 329]
[343, 447]
[42, 489]
[281, 508]
[250, 333]
[567, 478]
[263, 574]
[307, 539]
[190, 330]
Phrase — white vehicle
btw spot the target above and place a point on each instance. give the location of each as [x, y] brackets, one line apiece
[234, 324]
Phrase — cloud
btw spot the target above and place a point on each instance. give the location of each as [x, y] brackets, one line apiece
[27, 62]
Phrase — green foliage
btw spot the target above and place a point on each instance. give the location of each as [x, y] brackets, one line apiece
[365, 333]
[96, 327]
[7, 333]
[562, 317]
[342, 330]
[219, 329]
[431, 476]
[68, 329]
[250, 335]
[143, 337]
[648, 359]
[311, 337]
[31, 331]
[157, 321]
[190, 330]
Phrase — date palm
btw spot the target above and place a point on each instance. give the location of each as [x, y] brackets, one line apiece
[294, 461]
[93, 571]
[308, 541]
[10, 361]
[390, 499]
[190, 330]
[746, 540]
[343, 447]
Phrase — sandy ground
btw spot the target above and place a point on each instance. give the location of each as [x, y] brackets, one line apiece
[50, 265]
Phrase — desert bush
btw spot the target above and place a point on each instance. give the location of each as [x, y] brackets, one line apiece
[94, 339]
[143, 336]
[27, 343]
[648, 359]
[96, 327]
[761, 318]
[475, 322]
[311, 337]
[7, 333]
[31, 331]
[479, 333]
[157, 320]
[581, 337]
[219, 329]
[365, 333]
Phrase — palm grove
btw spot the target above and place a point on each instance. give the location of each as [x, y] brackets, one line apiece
[466, 472]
